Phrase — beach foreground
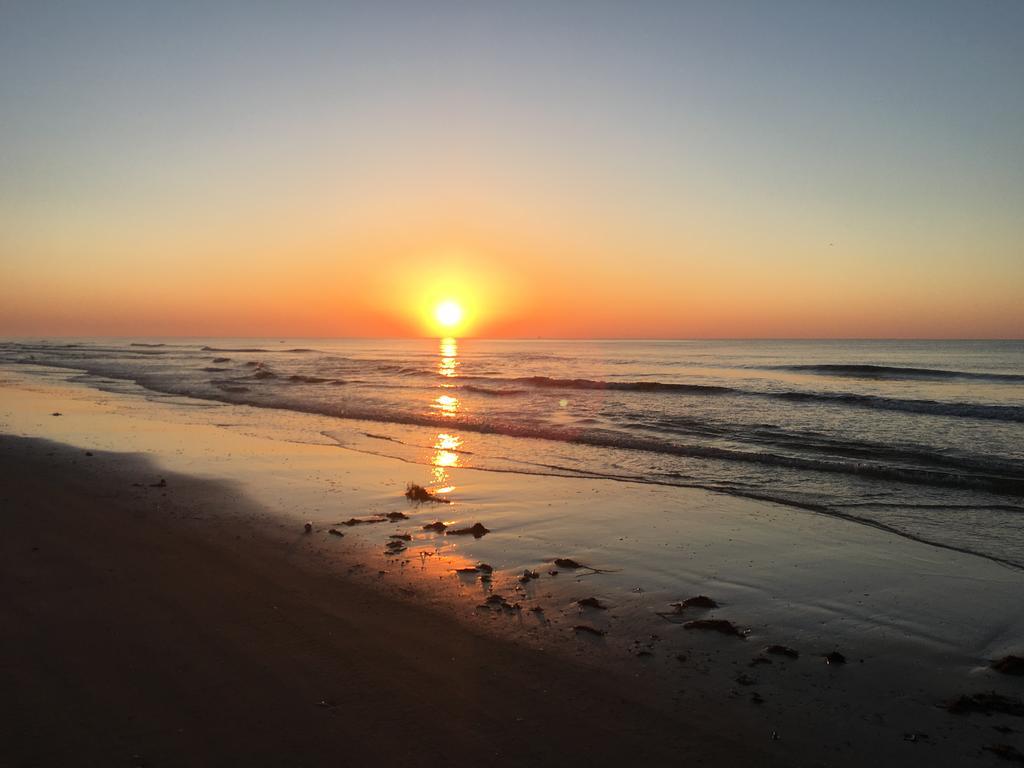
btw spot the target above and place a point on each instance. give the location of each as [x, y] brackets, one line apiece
[163, 605]
[150, 629]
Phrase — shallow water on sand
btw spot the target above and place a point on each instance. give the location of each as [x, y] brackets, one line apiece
[925, 439]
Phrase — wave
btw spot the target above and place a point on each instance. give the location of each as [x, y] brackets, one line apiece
[1012, 413]
[497, 392]
[299, 379]
[232, 349]
[621, 386]
[897, 372]
[977, 477]
[143, 344]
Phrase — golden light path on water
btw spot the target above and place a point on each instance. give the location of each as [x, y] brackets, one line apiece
[446, 445]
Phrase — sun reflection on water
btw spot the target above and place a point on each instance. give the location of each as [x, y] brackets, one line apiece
[449, 363]
[445, 457]
[446, 447]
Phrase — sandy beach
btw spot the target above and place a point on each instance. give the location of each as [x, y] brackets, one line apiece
[534, 384]
[152, 627]
[164, 606]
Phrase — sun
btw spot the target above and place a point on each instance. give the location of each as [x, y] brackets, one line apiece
[448, 314]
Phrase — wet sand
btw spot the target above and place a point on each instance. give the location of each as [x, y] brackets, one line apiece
[160, 626]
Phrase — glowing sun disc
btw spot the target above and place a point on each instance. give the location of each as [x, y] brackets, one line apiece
[448, 314]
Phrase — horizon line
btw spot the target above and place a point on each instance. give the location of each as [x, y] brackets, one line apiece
[529, 338]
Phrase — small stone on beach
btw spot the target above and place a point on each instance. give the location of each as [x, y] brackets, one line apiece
[591, 602]
[700, 601]
[476, 531]
[439, 527]
[335, 532]
[835, 658]
[1009, 665]
[565, 562]
[587, 630]
[714, 625]
[782, 650]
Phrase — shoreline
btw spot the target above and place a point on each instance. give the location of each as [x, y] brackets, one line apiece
[784, 576]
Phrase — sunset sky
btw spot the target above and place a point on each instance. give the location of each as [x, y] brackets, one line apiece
[803, 169]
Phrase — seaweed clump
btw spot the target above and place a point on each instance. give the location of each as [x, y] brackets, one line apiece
[419, 494]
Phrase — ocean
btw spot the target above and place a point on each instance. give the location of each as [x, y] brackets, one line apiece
[924, 439]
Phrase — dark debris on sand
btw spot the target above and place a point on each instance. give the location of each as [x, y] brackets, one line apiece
[363, 521]
[782, 650]
[700, 601]
[476, 531]
[986, 703]
[715, 625]
[591, 602]
[419, 494]
[835, 658]
[587, 630]
[1007, 752]
[335, 532]
[571, 565]
[568, 564]
[1009, 665]
[500, 603]
[437, 527]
